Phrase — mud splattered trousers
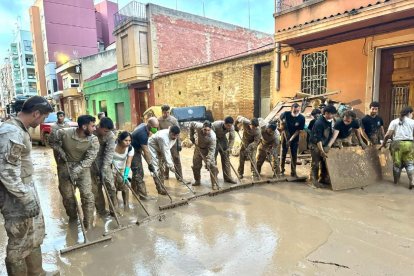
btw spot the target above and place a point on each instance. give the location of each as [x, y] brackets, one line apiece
[198, 163]
[269, 153]
[121, 186]
[84, 184]
[107, 176]
[402, 153]
[318, 162]
[25, 237]
[293, 155]
[222, 148]
[175, 154]
[138, 183]
[244, 155]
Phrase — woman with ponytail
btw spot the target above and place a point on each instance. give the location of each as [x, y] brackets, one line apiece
[124, 152]
[401, 131]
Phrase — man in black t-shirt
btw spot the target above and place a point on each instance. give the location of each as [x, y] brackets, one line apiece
[293, 122]
[343, 129]
[373, 125]
[321, 134]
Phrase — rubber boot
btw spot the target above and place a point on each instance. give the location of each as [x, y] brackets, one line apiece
[166, 173]
[142, 190]
[18, 268]
[114, 199]
[410, 174]
[125, 197]
[396, 172]
[197, 177]
[282, 166]
[34, 264]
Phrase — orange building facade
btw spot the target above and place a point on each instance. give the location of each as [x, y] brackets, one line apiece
[364, 49]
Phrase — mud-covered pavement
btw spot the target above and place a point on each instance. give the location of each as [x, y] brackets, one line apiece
[272, 229]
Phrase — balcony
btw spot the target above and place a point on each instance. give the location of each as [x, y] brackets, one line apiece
[132, 11]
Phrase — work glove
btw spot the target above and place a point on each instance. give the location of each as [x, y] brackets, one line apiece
[151, 168]
[126, 173]
[76, 170]
[31, 207]
[192, 139]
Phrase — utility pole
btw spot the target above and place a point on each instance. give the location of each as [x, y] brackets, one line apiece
[204, 11]
[248, 7]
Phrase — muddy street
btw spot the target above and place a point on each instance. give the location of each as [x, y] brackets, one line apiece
[273, 229]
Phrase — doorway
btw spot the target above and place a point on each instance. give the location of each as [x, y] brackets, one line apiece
[396, 89]
[120, 115]
[141, 103]
[261, 90]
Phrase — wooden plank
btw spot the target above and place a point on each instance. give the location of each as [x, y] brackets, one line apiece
[353, 167]
[385, 161]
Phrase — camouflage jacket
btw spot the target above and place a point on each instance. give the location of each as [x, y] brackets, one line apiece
[250, 136]
[16, 167]
[106, 150]
[78, 150]
[204, 142]
[218, 127]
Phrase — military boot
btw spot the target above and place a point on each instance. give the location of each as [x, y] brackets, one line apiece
[197, 177]
[34, 264]
[159, 186]
[396, 172]
[142, 190]
[18, 268]
[125, 198]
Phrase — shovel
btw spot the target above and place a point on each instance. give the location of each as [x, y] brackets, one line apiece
[85, 238]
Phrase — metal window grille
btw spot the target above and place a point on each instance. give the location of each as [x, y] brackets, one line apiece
[314, 72]
[400, 93]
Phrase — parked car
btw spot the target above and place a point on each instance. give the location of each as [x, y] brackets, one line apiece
[184, 115]
[41, 132]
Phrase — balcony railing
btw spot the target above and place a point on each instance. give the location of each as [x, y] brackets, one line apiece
[283, 5]
[134, 10]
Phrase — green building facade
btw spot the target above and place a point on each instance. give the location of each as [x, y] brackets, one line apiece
[106, 94]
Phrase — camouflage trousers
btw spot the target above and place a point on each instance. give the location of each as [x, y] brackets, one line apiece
[24, 234]
[244, 155]
[138, 183]
[83, 183]
[222, 148]
[106, 176]
[270, 154]
[198, 164]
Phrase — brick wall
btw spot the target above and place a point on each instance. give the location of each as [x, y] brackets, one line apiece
[180, 39]
[225, 88]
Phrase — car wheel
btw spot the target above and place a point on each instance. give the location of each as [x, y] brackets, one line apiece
[45, 140]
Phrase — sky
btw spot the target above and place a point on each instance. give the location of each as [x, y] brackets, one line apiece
[13, 12]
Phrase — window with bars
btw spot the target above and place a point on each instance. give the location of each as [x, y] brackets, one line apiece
[400, 96]
[314, 72]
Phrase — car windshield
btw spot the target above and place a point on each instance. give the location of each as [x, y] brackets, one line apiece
[193, 113]
[52, 118]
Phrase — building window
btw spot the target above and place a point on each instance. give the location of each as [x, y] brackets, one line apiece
[125, 50]
[27, 45]
[94, 107]
[314, 72]
[65, 83]
[143, 48]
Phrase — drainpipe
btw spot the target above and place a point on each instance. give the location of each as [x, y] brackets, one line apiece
[277, 66]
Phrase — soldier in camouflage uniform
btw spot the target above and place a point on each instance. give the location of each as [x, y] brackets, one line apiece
[268, 148]
[251, 139]
[102, 168]
[78, 147]
[19, 202]
[205, 145]
[166, 121]
[60, 123]
[224, 146]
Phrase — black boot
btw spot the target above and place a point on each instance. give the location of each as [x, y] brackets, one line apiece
[396, 172]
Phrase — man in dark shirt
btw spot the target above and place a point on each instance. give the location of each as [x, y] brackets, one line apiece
[315, 115]
[293, 122]
[140, 143]
[320, 136]
[373, 125]
[343, 129]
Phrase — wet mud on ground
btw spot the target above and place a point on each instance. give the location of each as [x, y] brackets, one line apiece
[273, 229]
